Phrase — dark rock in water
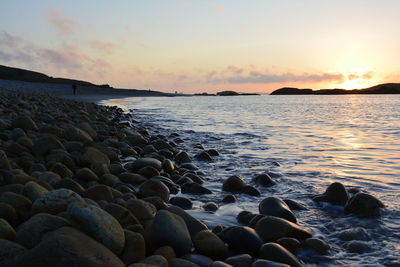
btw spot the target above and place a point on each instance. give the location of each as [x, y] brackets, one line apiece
[200, 260]
[244, 217]
[203, 156]
[184, 180]
[251, 190]
[317, 244]
[219, 228]
[275, 252]
[213, 152]
[168, 166]
[183, 202]
[177, 262]
[234, 184]
[67, 247]
[242, 239]
[229, 199]
[272, 228]
[143, 162]
[31, 232]
[152, 188]
[157, 202]
[211, 206]
[264, 180]
[169, 229]
[194, 188]
[290, 243]
[195, 178]
[275, 206]
[267, 263]
[294, 205]
[209, 244]
[335, 194]
[194, 225]
[359, 247]
[198, 146]
[149, 171]
[364, 205]
[241, 260]
[10, 251]
[182, 157]
[253, 222]
[189, 166]
[356, 233]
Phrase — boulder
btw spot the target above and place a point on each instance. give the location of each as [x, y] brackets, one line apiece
[122, 214]
[242, 239]
[134, 249]
[33, 190]
[100, 192]
[263, 180]
[335, 194]
[9, 251]
[210, 206]
[166, 251]
[200, 260]
[195, 189]
[290, 243]
[55, 201]
[8, 213]
[275, 252]
[194, 225]
[182, 157]
[21, 204]
[6, 230]
[152, 188]
[234, 184]
[93, 155]
[317, 244]
[99, 224]
[272, 228]
[72, 133]
[142, 210]
[364, 205]
[143, 162]
[156, 260]
[177, 262]
[182, 202]
[67, 247]
[241, 260]
[24, 122]
[209, 244]
[169, 229]
[86, 174]
[229, 199]
[132, 178]
[31, 232]
[275, 206]
[4, 162]
[267, 263]
[71, 185]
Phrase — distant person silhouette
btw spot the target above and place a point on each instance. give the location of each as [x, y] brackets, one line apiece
[74, 88]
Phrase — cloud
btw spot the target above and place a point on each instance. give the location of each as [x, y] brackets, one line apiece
[235, 75]
[102, 45]
[357, 76]
[63, 24]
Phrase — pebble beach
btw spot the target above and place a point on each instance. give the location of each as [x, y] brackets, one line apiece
[83, 184]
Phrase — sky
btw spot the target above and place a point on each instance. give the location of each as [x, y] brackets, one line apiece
[206, 45]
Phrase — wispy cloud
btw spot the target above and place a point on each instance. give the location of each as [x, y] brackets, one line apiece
[358, 76]
[102, 45]
[236, 75]
[63, 23]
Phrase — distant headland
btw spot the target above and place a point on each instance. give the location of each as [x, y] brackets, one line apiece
[387, 88]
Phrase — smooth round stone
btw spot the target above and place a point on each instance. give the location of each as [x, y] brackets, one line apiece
[31, 232]
[294, 205]
[50, 177]
[86, 174]
[241, 260]
[244, 217]
[357, 246]
[87, 128]
[156, 260]
[166, 251]
[335, 194]
[132, 178]
[161, 144]
[6, 230]
[251, 190]
[229, 199]
[176, 262]
[209, 244]
[21, 204]
[168, 229]
[267, 263]
[204, 156]
[58, 246]
[71, 185]
[213, 152]
[122, 214]
[8, 213]
[182, 157]
[364, 205]
[9, 251]
[189, 166]
[168, 166]
[55, 201]
[152, 188]
[194, 225]
[142, 210]
[100, 192]
[356, 233]
[220, 264]
[200, 260]
[275, 206]
[234, 184]
[109, 179]
[183, 202]
[61, 170]
[211, 206]
[242, 239]
[33, 190]
[157, 202]
[143, 162]
[317, 244]
[275, 252]
[290, 243]
[99, 224]
[148, 172]
[263, 179]
[253, 222]
[194, 177]
[195, 189]
[93, 155]
[72, 133]
[24, 122]
[4, 162]
[272, 228]
[134, 249]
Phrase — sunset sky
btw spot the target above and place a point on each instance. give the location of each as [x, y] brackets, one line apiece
[201, 45]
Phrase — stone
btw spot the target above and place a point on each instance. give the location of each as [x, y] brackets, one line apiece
[253, 222]
[241, 260]
[251, 190]
[33, 190]
[294, 205]
[234, 184]
[100, 192]
[220, 264]
[135, 248]
[24, 122]
[132, 178]
[263, 180]
[142, 210]
[143, 162]
[60, 156]
[21, 204]
[209, 244]
[161, 144]
[168, 166]
[93, 155]
[9, 251]
[99, 168]
[194, 225]
[317, 244]
[61, 170]
[135, 140]
[363, 205]
[6, 230]
[152, 188]
[99, 224]
[213, 152]
[200, 260]
[122, 214]
[109, 179]
[272, 228]
[267, 263]
[8, 213]
[86, 174]
[4, 162]
[229, 199]
[189, 166]
[87, 128]
[204, 156]
[156, 260]
[67, 247]
[242, 239]
[157, 202]
[31, 232]
[358, 246]
[176, 262]
[275, 206]
[244, 217]
[166, 251]
[169, 229]
[182, 157]
[356, 233]
[72, 133]
[275, 252]
[210, 206]
[71, 185]
[182, 202]
[290, 243]
[335, 194]
[195, 189]
[55, 201]
[50, 177]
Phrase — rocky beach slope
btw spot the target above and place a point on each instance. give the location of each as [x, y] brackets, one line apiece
[86, 185]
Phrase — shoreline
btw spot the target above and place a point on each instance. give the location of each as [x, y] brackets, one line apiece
[82, 165]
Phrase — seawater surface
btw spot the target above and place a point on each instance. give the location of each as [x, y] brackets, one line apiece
[305, 143]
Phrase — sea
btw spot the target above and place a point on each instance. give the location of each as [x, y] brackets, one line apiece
[304, 143]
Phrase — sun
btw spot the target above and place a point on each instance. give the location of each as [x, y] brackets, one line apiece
[356, 78]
